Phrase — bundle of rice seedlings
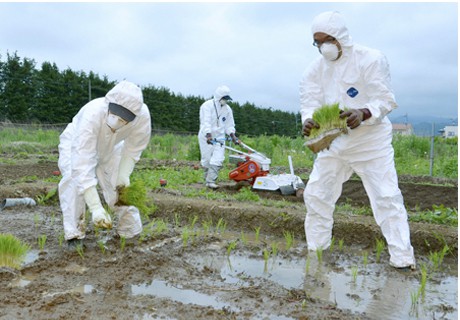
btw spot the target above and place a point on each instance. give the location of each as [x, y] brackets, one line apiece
[331, 126]
[134, 195]
[12, 251]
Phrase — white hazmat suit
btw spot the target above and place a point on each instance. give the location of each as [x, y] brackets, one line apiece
[216, 120]
[91, 153]
[359, 78]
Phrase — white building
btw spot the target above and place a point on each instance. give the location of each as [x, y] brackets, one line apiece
[449, 131]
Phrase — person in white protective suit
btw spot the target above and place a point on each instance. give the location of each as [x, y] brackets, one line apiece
[216, 121]
[100, 147]
[358, 78]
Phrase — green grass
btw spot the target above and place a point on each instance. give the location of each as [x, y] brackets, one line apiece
[328, 118]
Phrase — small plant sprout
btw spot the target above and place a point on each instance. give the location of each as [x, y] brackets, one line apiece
[274, 246]
[61, 238]
[414, 295]
[231, 246]
[193, 222]
[365, 259]
[436, 258]
[354, 273]
[257, 231]
[266, 254]
[101, 245]
[36, 220]
[221, 226]
[41, 241]
[307, 265]
[319, 254]
[289, 237]
[424, 273]
[379, 246]
[176, 220]
[331, 247]
[79, 249]
[185, 236]
[122, 243]
[207, 225]
[244, 239]
[341, 245]
[12, 251]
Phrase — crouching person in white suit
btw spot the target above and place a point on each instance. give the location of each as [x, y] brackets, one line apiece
[100, 147]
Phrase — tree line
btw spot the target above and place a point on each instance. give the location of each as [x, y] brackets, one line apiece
[48, 95]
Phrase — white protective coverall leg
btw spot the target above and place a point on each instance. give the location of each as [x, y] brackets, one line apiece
[380, 181]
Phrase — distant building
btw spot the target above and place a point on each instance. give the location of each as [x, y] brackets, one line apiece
[449, 131]
[404, 129]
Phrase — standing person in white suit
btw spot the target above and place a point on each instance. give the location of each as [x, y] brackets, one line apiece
[100, 147]
[216, 121]
[358, 78]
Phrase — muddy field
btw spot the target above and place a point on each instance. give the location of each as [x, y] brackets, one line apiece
[222, 273]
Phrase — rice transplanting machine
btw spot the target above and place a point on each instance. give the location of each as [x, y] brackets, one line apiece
[254, 167]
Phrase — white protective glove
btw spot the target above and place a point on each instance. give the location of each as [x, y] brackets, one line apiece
[101, 218]
[124, 171]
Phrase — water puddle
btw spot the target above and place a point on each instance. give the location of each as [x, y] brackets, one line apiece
[31, 256]
[162, 289]
[375, 289]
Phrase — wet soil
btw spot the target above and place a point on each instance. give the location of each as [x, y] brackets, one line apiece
[103, 281]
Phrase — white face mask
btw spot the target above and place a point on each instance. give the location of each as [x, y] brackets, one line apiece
[115, 122]
[223, 102]
[329, 51]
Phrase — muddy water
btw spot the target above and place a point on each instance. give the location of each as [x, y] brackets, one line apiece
[342, 278]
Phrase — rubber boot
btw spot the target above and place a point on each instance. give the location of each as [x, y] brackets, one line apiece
[211, 177]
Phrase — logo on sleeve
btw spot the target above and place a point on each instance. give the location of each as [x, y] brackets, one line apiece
[352, 92]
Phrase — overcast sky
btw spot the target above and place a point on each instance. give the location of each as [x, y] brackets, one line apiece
[259, 50]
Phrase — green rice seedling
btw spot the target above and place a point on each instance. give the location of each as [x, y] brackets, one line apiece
[161, 226]
[207, 225]
[266, 254]
[244, 239]
[257, 231]
[437, 257]
[414, 296]
[36, 220]
[319, 254]
[330, 127]
[41, 241]
[61, 238]
[80, 251]
[365, 259]
[185, 236]
[341, 245]
[354, 273]
[289, 237]
[331, 247]
[12, 251]
[122, 243]
[424, 273]
[134, 195]
[307, 265]
[274, 246]
[221, 225]
[231, 246]
[193, 222]
[379, 247]
[101, 245]
[176, 220]
[304, 304]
